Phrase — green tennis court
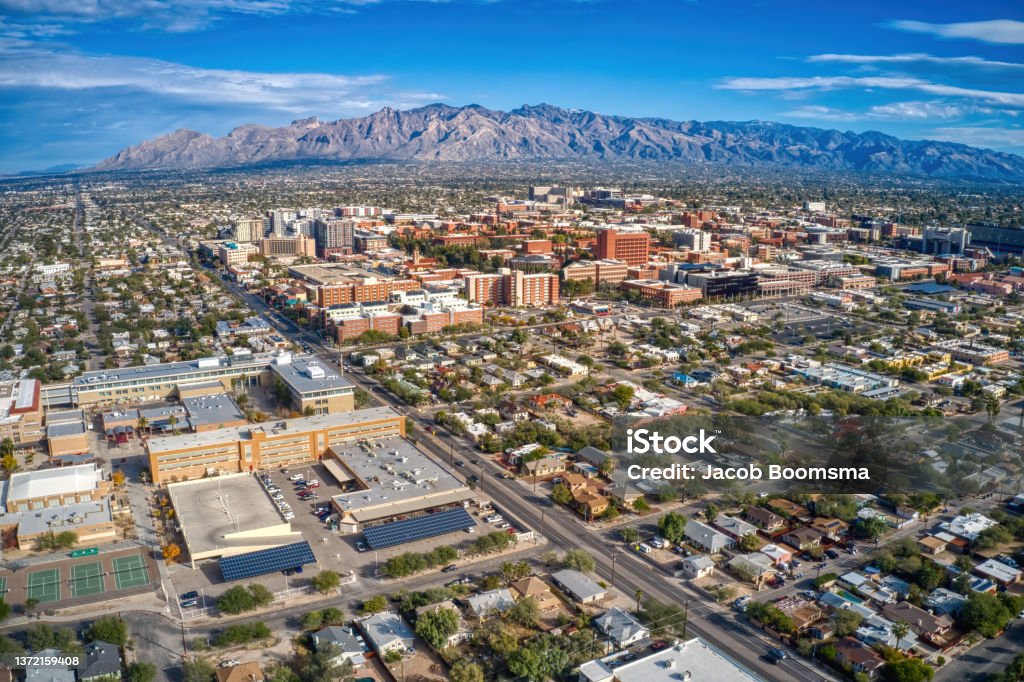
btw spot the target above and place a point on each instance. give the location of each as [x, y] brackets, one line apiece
[44, 586]
[130, 571]
[86, 579]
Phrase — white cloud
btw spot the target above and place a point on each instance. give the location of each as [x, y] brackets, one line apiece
[1003, 31]
[293, 92]
[822, 83]
[980, 136]
[894, 111]
[913, 58]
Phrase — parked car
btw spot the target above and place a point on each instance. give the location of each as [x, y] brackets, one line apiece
[296, 477]
[189, 596]
[451, 568]
[361, 546]
[831, 554]
[190, 603]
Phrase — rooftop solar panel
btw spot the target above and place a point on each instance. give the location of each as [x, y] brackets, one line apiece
[410, 530]
[266, 561]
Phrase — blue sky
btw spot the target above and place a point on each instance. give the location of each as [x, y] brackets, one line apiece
[81, 79]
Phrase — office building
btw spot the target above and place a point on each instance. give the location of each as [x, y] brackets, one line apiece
[276, 246]
[724, 283]
[334, 236]
[250, 229]
[662, 294]
[21, 411]
[694, 240]
[631, 245]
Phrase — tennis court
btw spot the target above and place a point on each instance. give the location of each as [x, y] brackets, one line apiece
[86, 579]
[130, 571]
[44, 586]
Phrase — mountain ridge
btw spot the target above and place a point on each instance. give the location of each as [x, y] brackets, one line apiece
[441, 132]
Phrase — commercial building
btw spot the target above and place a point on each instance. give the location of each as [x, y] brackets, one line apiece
[70, 498]
[21, 411]
[598, 271]
[330, 285]
[66, 434]
[263, 446]
[974, 353]
[694, 240]
[389, 478]
[846, 378]
[723, 284]
[235, 253]
[227, 515]
[631, 245]
[334, 236]
[309, 382]
[662, 294]
[694, 660]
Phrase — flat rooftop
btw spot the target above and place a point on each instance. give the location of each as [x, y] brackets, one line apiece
[274, 427]
[212, 510]
[170, 369]
[215, 409]
[307, 373]
[399, 478]
[695, 656]
[45, 482]
[59, 519]
[18, 396]
[333, 274]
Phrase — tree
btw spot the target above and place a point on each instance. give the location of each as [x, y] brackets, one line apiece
[141, 671]
[623, 395]
[108, 629]
[6, 447]
[579, 560]
[908, 670]
[117, 478]
[846, 622]
[171, 552]
[672, 527]
[630, 535]
[900, 629]
[711, 512]
[872, 528]
[749, 543]
[435, 627]
[375, 604]
[326, 581]
[312, 620]
[199, 670]
[465, 670]
[985, 614]
[261, 595]
[513, 571]
[332, 616]
[640, 505]
[525, 612]
[561, 494]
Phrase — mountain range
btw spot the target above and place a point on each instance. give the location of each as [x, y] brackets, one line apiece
[439, 132]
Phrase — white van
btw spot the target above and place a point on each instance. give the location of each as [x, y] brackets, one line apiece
[644, 547]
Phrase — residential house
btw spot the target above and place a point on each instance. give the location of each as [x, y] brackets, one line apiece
[931, 545]
[48, 673]
[833, 529]
[694, 567]
[860, 657]
[707, 538]
[765, 519]
[803, 612]
[550, 400]
[779, 554]
[592, 456]
[878, 630]
[344, 642]
[243, 672]
[578, 586]
[487, 604]
[513, 411]
[733, 527]
[755, 567]
[998, 572]
[102, 662]
[538, 590]
[387, 632]
[925, 625]
[545, 466]
[788, 509]
[621, 627]
[802, 538]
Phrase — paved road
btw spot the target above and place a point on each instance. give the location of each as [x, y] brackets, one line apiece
[988, 657]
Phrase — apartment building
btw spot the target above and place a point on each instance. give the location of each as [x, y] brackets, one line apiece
[694, 240]
[289, 442]
[598, 271]
[513, 288]
[631, 245]
[21, 411]
[235, 253]
[284, 247]
[250, 229]
[334, 236]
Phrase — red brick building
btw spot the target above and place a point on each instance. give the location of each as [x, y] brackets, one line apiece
[632, 246]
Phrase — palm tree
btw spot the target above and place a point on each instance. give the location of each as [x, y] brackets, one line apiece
[639, 595]
[173, 421]
[900, 629]
[141, 425]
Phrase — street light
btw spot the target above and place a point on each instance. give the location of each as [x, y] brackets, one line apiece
[615, 556]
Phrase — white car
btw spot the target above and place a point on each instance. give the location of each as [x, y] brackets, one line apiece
[273, 490]
[278, 496]
[657, 542]
[296, 477]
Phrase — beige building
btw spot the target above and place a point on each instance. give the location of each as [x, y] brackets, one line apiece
[310, 382]
[21, 411]
[263, 446]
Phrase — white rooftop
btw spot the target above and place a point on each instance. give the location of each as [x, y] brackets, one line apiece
[51, 482]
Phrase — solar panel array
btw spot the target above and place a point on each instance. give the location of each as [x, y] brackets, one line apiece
[410, 530]
[267, 561]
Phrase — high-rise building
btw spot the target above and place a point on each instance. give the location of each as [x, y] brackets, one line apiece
[694, 240]
[629, 244]
[334, 236]
[250, 229]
